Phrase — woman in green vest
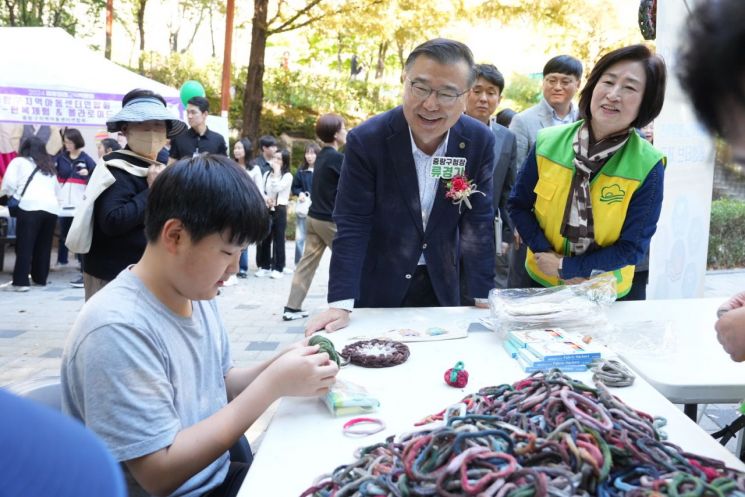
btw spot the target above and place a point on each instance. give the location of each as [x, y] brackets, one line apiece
[589, 194]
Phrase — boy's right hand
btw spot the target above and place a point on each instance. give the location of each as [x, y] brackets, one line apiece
[301, 371]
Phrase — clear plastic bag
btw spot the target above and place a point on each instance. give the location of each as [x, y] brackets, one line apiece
[649, 338]
[346, 398]
[578, 308]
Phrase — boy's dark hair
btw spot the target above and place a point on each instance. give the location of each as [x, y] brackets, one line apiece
[110, 144]
[504, 117]
[140, 93]
[711, 59]
[75, 137]
[327, 126]
[202, 103]
[654, 89]
[563, 64]
[35, 148]
[490, 73]
[445, 52]
[208, 194]
[267, 141]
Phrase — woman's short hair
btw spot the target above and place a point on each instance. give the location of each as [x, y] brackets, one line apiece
[75, 137]
[654, 88]
[310, 146]
[208, 194]
[327, 126]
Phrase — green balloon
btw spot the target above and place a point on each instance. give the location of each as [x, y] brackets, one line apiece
[191, 89]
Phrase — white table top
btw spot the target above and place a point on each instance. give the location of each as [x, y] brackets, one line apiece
[696, 370]
[304, 441]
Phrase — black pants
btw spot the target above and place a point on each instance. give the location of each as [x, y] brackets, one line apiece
[271, 252]
[421, 293]
[34, 234]
[64, 229]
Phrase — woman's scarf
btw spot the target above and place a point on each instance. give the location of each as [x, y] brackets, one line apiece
[578, 225]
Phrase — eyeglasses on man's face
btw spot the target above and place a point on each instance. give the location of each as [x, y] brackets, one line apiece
[562, 82]
[444, 97]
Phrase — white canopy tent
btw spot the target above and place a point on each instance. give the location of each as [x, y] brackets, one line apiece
[51, 79]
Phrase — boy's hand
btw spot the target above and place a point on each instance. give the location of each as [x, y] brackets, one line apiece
[735, 302]
[302, 372]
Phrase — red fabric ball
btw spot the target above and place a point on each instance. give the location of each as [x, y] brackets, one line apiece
[461, 379]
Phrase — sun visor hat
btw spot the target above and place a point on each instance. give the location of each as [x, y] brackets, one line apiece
[144, 109]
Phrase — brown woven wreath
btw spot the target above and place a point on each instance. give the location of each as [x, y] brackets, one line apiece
[376, 353]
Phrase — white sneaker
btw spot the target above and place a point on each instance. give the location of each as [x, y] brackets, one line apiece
[276, 275]
[287, 270]
[232, 281]
[261, 273]
[10, 287]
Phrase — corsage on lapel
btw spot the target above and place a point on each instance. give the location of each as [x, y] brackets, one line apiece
[459, 188]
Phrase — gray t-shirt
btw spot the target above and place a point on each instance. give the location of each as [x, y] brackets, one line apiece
[136, 374]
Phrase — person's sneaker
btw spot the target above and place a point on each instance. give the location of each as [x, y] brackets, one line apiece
[275, 275]
[78, 283]
[59, 266]
[242, 274]
[261, 273]
[10, 287]
[291, 314]
[288, 270]
[231, 281]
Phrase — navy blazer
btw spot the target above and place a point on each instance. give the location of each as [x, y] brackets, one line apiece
[379, 221]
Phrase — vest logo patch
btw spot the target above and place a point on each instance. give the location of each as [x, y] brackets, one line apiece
[612, 194]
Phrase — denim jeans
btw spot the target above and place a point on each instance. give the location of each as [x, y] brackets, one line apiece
[243, 262]
[299, 237]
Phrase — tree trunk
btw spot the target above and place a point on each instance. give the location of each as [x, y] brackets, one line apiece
[254, 92]
[109, 24]
[380, 67]
[141, 29]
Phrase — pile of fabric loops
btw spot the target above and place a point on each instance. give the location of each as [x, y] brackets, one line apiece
[546, 435]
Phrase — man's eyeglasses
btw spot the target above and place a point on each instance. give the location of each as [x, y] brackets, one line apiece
[563, 83]
[422, 92]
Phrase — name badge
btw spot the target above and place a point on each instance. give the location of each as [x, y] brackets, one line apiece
[447, 167]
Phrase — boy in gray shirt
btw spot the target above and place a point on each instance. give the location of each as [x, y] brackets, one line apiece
[147, 364]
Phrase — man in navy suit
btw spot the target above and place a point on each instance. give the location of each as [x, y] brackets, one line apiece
[481, 103]
[399, 238]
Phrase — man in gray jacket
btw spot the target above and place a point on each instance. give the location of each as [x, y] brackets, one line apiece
[481, 103]
[561, 78]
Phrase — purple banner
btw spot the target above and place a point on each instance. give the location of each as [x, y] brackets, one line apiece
[38, 106]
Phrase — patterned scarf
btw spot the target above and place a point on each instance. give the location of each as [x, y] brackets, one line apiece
[578, 225]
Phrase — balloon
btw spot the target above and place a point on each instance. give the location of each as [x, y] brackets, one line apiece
[191, 89]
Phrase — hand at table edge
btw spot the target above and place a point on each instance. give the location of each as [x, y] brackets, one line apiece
[330, 320]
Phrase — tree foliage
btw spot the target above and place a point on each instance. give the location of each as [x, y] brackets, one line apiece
[51, 13]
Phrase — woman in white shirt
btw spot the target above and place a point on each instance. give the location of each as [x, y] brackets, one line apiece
[242, 151]
[38, 211]
[276, 186]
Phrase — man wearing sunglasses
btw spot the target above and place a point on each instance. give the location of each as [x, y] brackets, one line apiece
[399, 234]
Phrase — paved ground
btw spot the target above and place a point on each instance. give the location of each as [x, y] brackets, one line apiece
[33, 325]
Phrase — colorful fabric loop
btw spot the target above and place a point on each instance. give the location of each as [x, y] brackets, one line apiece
[546, 435]
[363, 427]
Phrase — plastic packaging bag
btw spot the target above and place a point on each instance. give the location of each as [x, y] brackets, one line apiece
[577, 308]
[346, 398]
[649, 338]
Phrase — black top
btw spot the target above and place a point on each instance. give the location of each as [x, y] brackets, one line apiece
[302, 182]
[189, 143]
[118, 222]
[263, 164]
[325, 183]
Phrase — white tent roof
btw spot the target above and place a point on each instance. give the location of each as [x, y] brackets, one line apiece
[49, 58]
